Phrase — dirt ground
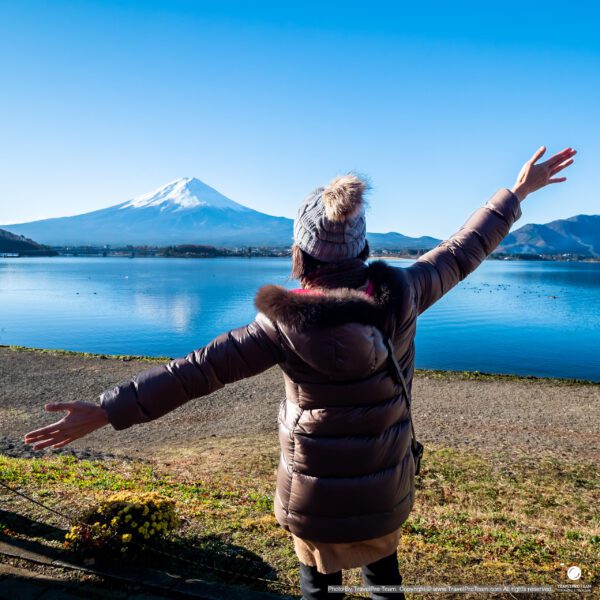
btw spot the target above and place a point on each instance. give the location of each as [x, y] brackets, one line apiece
[509, 416]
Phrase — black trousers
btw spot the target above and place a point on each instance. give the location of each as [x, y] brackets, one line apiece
[381, 572]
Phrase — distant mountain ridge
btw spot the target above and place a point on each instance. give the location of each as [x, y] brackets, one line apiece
[184, 211]
[188, 211]
[394, 241]
[577, 235]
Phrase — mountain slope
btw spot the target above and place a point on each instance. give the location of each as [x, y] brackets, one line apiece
[185, 211]
[577, 235]
[17, 244]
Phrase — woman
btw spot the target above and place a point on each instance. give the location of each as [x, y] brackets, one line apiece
[345, 481]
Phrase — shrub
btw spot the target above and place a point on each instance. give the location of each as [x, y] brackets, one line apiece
[123, 524]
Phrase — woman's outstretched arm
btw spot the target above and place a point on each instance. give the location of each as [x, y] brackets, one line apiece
[231, 356]
[436, 272]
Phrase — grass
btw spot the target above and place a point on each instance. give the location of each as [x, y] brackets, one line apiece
[482, 376]
[446, 375]
[478, 520]
[59, 352]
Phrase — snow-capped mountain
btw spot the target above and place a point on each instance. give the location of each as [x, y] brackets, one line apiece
[183, 194]
[184, 211]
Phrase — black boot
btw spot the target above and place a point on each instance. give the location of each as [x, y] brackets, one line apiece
[314, 584]
[383, 572]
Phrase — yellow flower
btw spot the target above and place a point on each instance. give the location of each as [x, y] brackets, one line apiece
[114, 521]
[126, 537]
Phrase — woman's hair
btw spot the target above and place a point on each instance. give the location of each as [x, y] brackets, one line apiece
[303, 264]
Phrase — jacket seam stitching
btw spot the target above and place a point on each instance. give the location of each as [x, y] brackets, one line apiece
[437, 272]
[142, 408]
[498, 213]
[293, 457]
[292, 437]
[235, 346]
[361, 476]
[483, 242]
[399, 423]
[409, 493]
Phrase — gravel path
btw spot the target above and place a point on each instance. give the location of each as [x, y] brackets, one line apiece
[507, 416]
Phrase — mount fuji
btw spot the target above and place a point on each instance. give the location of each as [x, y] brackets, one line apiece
[184, 211]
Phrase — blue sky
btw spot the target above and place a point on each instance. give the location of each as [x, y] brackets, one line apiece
[438, 103]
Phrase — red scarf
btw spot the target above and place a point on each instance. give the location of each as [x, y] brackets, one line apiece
[369, 291]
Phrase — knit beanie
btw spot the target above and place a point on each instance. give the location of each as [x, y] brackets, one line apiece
[330, 224]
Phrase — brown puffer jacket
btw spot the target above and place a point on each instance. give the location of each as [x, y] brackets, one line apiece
[346, 472]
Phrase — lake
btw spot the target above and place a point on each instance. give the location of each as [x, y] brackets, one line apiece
[520, 317]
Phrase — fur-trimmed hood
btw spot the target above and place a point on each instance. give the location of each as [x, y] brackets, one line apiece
[331, 307]
[337, 330]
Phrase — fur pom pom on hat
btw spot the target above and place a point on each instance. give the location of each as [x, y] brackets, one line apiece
[343, 196]
[330, 224]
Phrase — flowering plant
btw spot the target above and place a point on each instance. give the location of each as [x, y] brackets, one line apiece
[123, 523]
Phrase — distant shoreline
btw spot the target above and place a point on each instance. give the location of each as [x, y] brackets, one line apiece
[189, 253]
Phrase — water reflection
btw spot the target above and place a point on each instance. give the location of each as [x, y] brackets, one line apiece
[175, 310]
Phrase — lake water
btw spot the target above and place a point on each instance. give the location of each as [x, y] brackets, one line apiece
[521, 317]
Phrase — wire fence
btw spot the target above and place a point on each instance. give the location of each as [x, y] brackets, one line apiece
[281, 586]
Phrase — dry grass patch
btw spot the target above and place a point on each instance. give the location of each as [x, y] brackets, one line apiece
[477, 520]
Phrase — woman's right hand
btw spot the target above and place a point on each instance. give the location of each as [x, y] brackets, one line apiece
[81, 418]
[532, 177]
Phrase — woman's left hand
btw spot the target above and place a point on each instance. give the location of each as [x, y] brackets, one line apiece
[81, 419]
